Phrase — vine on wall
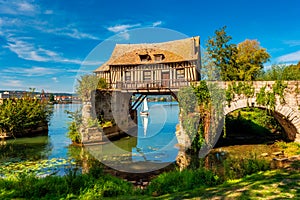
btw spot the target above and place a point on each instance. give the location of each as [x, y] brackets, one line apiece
[263, 97]
[199, 104]
[234, 90]
[268, 98]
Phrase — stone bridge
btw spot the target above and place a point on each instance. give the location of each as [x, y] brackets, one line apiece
[116, 105]
[287, 113]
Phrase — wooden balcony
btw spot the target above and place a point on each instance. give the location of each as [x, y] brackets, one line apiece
[151, 85]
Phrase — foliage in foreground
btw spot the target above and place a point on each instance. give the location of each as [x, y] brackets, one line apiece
[19, 116]
[177, 181]
[275, 184]
[72, 186]
[97, 185]
[239, 167]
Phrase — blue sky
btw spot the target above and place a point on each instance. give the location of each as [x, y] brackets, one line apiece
[43, 43]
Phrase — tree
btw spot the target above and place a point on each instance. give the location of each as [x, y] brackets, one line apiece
[250, 58]
[281, 72]
[223, 54]
[209, 71]
[87, 83]
[292, 72]
[51, 97]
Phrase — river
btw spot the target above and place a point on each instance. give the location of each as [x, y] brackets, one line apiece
[155, 141]
[153, 148]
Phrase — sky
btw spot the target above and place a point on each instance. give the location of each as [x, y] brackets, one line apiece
[49, 44]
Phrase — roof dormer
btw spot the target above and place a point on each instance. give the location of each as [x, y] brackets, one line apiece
[145, 57]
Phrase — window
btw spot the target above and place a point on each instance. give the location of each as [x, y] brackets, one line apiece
[127, 76]
[159, 57]
[145, 58]
[147, 75]
[180, 73]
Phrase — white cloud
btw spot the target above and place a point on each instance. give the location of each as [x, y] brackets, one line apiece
[55, 79]
[48, 12]
[154, 24]
[124, 35]
[25, 6]
[12, 83]
[92, 62]
[121, 28]
[29, 51]
[79, 71]
[33, 71]
[67, 31]
[292, 57]
[17, 7]
[15, 25]
[74, 33]
[292, 43]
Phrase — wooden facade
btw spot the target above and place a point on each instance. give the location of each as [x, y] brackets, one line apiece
[153, 66]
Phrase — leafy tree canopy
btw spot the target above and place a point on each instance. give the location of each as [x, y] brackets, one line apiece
[222, 54]
[281, 72]
[242, 62]
[250, 59]
[87, 83]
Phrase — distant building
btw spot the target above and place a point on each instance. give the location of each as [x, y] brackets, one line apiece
[4, 95]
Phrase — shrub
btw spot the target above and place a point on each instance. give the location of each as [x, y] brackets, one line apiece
[19, 116]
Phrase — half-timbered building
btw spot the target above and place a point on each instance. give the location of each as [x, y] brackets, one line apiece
[151, 66]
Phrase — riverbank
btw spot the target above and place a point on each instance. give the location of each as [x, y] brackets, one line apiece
[173, 184]
[274, 184]
[271, 184]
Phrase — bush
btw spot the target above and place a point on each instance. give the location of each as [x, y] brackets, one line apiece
[19, 116]
[176, 181]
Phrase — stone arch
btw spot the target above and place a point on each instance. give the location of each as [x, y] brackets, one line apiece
[287, 117]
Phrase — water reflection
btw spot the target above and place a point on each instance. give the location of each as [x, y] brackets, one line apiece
[55, 145]
[156, 142]
[34, 148]
[154, 145]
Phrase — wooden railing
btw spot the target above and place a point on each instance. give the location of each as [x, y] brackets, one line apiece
[153, 84]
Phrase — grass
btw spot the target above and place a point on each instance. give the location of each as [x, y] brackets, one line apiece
[275, 184]
[94, 185]
[290, 149]
[188, 184]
